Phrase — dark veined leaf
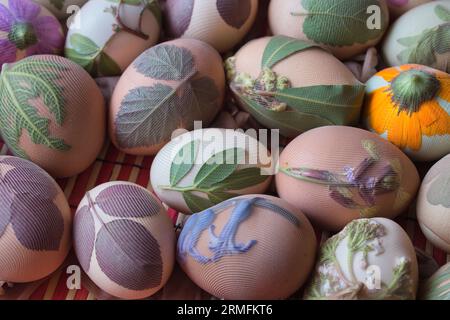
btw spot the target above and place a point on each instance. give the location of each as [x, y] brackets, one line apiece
[281, 47]
[107, 66]
[340, 104]
[30, 181]
[166, 62]
[58, 4]
[203, 98]
[85, 61]
[339, 22]
[242, 179]
[6, 199]
[84, 236]
[442, 12]
[20, 84]
[83, 45]
[219, 167]
[37, 222]
[234, 12]
[183, 162]
[129, 255]
[196, 203]
[127, 201]
[178, 17]
[218, 196]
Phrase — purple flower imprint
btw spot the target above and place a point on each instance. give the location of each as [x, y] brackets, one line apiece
[26, 30]
[398, 3]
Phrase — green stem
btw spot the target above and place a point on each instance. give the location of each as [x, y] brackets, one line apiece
[350, 257]
[288, 171]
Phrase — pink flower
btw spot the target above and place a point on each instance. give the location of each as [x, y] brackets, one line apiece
[26, 30]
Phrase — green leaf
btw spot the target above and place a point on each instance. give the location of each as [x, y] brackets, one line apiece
[408, 41]
[340, 104]
[83, 45]
[85, 52]
[22, 83]
[219, 167]
[58, 4]
[107, 66]
[86, 62]
[242, 179]
[217, 197]
[203, 97]
[281, 47]
[166, 62]
[340, 22]
[183, 162]
[442, 12]
[130, 2]
[196, 203]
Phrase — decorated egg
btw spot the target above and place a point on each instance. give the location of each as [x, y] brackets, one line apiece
[27, 28]
[346, 28]
[250, 247]
[62, 8]
[35, 222]
[337, 174]
[199, 169]
[124, 240]
[420, 36]
[168, 87]
[399, 7]
[438, 286]
[371, 259]
[433, 204]
[106, 36]
[293, 85]
[221, 23]
[410, 107]
[52, 114]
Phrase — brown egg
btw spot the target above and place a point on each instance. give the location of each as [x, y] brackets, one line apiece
[337, 174]
[249, 247]
[52, 114]
[293, 85]
[346, 28]
[124, 240]
[433, 205]
[371, 259]
[35, 222]
[221, 23]
[168, 87]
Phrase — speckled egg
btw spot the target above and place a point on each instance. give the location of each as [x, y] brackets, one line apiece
[437, 287]
[221, 23]
[199, 169]
[399, 7]
[346, 28]
[337, 174]
[106, 36]
[124, 240]
[52, 114]
[27, 28]
[433, 204]
[168, 87]
[293, 85]
[249, 247]
[35, 222]
[62, 8]
[420, 36]
[371, 259]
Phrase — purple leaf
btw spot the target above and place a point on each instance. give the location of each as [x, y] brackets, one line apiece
[129, 255]
[178, 16]
[234, 12]
[6, 19]
[37, 222]
[27, 180]
[5, 208]
[84, 236]
[125, 201]
[24, 10]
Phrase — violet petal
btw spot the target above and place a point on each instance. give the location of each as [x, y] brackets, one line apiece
[24, 10]
[7, 51]
[48, 31]
[6, 19]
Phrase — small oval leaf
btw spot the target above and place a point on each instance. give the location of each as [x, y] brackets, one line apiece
[84, 236]
[183, 162]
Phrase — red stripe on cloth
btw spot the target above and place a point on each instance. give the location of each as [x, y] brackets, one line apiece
[61, 289]
[107, 168]
[79, 189]
[125, 170]
[440, 256]
[419, 239]
[40, 292]
[144, 173]
[81, 294]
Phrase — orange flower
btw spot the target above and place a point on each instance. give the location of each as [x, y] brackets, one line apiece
[406, 111]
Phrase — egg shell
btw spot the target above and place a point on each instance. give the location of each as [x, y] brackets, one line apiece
[433, 205]
[329, 24]
[35, 222]
[311, 67]
[93, 33]
[221, 23]
[62, 130]
[437, 287]
[62, 8]
[399, 7]
[124, 240]
[265, 251]
[207, 143]
[343, 271]
[410, 129]
[352, 158]
[28, 29]
[166, 88]
[415, 37]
